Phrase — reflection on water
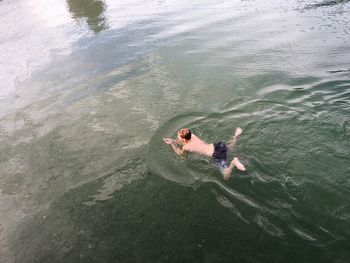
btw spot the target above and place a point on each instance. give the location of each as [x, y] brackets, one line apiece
[326, 3]
[92, 10]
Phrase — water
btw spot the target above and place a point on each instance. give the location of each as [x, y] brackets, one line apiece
[88, 88]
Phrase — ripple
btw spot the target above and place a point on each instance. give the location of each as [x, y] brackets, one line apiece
[268, 226]
[304, 234]
[228, 204]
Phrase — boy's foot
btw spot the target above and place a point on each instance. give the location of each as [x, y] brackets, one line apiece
[238, 164]
[238, 131]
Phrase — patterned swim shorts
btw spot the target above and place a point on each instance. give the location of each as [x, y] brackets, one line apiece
[220, 155]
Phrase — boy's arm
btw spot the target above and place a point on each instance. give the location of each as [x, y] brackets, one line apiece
[173, 144]
[177, 150]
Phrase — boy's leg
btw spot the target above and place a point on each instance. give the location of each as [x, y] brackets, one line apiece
[232, 142]
[228, 170]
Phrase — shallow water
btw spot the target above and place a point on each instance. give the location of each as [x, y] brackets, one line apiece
[89, 88]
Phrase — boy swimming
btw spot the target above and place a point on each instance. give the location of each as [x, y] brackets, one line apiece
[191, 143]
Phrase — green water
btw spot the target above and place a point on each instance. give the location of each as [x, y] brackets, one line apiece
[89, 88]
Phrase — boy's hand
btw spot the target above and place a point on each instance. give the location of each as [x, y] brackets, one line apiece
[168, 140]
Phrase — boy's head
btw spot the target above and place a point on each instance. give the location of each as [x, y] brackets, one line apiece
[184, 135]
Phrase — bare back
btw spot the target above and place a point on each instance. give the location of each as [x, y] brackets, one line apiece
[198, 146]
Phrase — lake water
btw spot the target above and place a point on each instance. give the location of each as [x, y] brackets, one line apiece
[89, 88]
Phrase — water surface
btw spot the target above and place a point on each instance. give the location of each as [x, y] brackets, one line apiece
[89, 88]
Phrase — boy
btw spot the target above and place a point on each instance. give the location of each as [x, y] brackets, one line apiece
[191, 143]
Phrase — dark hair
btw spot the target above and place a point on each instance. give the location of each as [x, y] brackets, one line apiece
[185, 134]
